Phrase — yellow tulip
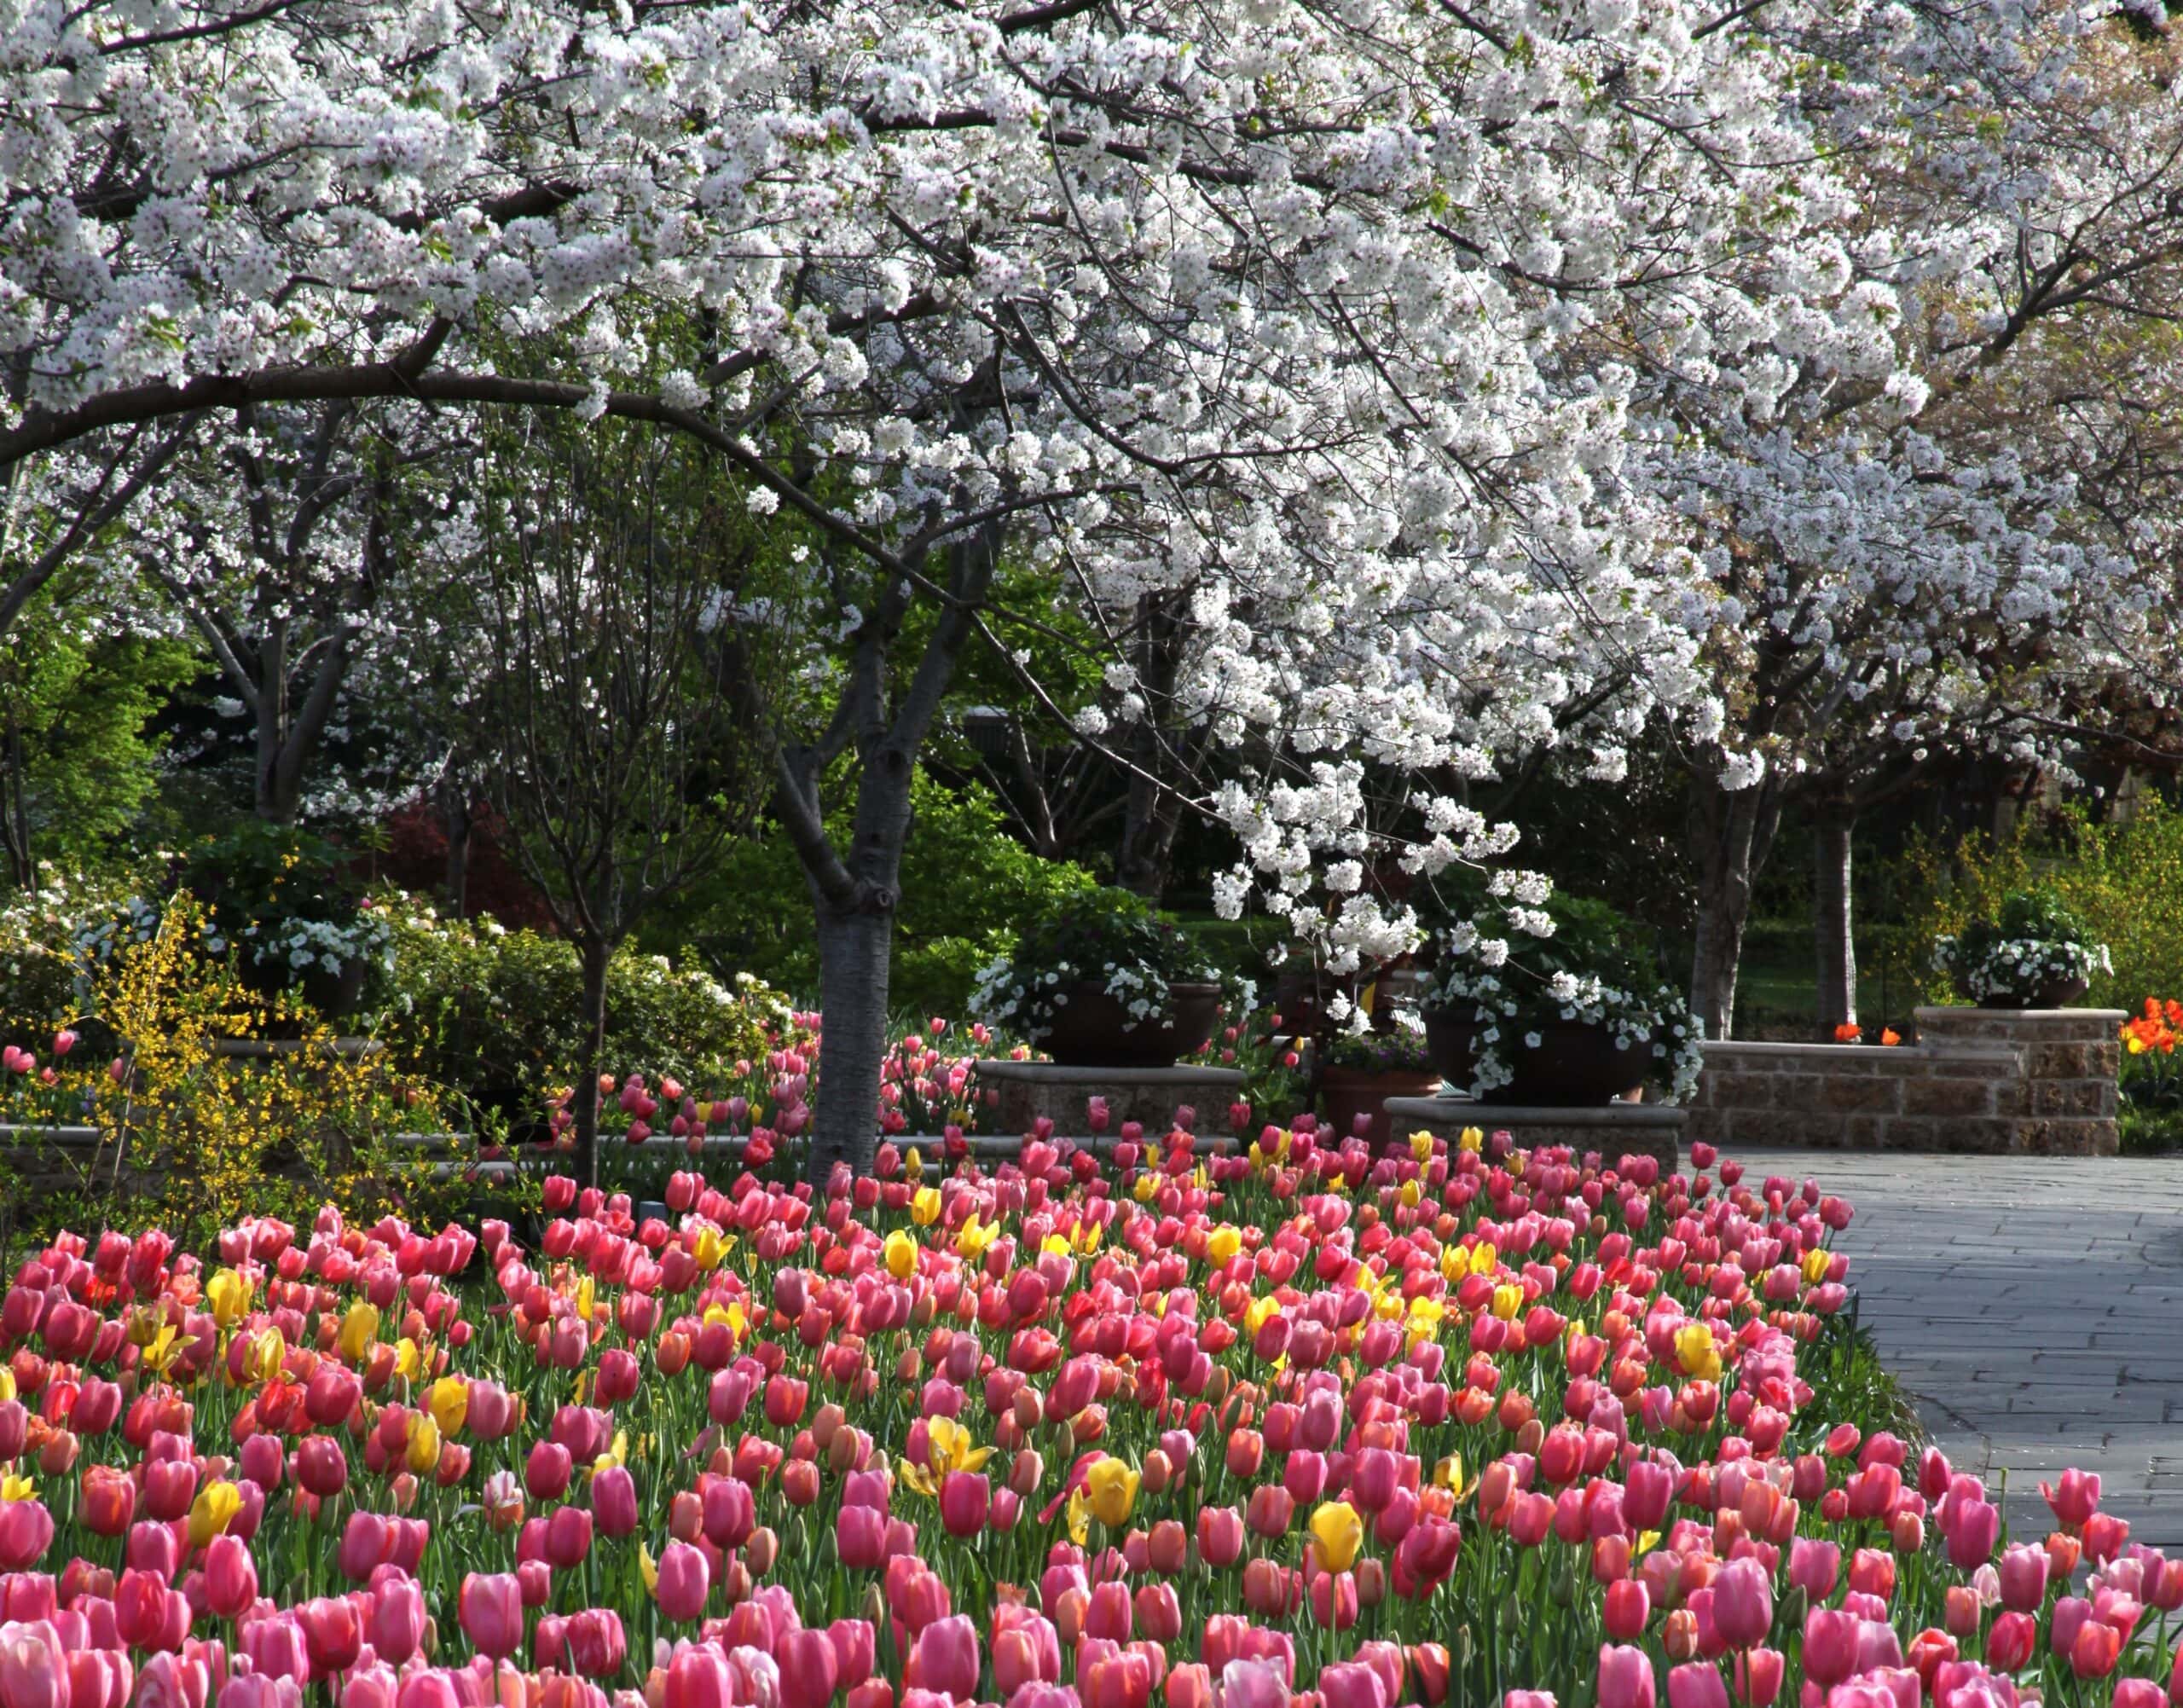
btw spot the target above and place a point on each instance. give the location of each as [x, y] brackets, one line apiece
[1421, 1146]
[913, 1163]
[1695, 1351]
[710, 1249]
[1484, 1258]
[228, 1294]
[924, 1206]
[1508, 1300]
[1472, 1139]
[1411, 1194]
[449, 1401]
[1817, 1261]
[216, 1504]
[408, 1359]
[974, 1236]
[901, 1252]
[359, 1328]
[424, 1450]
[1337, 1532]
[1147, 1184]
[1222, 1244]
[1111, 1491]
[267, 1352]
[14, 1488]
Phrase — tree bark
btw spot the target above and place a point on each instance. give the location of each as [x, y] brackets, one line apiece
[855, 951]
[456, 818]
[595, 953]
[1832, 918]
[1733, 833]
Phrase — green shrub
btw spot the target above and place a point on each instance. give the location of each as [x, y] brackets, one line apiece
[494, 1014]
[2120, 882]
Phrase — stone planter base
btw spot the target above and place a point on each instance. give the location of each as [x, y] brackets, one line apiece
[1030, 1090]
[1613, 1130]
[2038, 1082]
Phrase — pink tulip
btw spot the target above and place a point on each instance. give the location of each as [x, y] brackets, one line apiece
[1354, 1685]
[1626, 1678]
[810, 1669]
[1253, 1684]
[33, 1667]
[685, 1581]
[698, 1677]
[2075, 1499]
[230, 1577]
[490, 1610]
[614, 1500]
[945, 1658]
[1743, 1607]
[596, 1644]
[397, 1618]
[1698, 1684]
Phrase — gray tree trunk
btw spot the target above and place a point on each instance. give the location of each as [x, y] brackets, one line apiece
[1832, 921]
[595, 953]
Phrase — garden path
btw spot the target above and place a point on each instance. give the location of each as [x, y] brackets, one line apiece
[2033, 1305]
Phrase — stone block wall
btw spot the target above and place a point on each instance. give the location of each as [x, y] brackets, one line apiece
[2034, 1082]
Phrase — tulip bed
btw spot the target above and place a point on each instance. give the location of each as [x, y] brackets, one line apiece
[1458, 1425]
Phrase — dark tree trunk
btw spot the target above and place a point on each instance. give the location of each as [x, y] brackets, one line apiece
[1832, 918]
[22, 867]
[456, 816]
[595, 953]
[1148, 839]
[1733, 833]
[1154, 813]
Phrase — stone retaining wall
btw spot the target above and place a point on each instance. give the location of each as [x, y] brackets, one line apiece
[2034, 1082]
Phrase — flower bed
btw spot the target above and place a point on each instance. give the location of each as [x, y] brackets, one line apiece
[1442, 1427]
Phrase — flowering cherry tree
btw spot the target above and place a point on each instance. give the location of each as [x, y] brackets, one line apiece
[1359, 336]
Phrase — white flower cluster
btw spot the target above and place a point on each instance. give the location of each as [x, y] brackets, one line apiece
[2019, 969]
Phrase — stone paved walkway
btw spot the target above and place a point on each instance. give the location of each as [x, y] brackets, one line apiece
[2034, 1307]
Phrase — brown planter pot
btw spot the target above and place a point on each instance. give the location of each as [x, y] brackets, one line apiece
[2056, 993]
[1346, 1093]
[1092, 1029]
[1576, 1066]
[1451, 1045]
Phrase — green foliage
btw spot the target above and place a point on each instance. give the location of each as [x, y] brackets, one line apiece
[2117, 882]
[965, 883]
[496, 1016]
[75, 717]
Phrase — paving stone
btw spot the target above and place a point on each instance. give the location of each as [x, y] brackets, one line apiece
[2031, 1308]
